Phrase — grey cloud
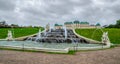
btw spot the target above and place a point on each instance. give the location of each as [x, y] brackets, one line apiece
[7, 5]
[41, 12]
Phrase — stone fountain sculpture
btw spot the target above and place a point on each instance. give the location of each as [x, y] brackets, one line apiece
[9, 36]
[47, 27]
[62, 35]
[38, 35]
[105, 39]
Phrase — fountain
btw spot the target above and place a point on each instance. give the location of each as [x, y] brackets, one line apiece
[50, 30]
[9, 37]
[65, 32]
[38, 35]
[57, 36]
[29, 39]
[45, 33]
[55, 40]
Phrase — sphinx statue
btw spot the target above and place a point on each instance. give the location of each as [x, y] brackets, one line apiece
[105, 38]
[9, 36]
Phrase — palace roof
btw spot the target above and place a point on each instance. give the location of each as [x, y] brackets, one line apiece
[57, 25]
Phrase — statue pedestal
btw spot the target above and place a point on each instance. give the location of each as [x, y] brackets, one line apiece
[9, 39]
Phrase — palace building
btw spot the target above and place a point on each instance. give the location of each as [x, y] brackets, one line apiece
[77, 24]
[58, 26]
[3, 24]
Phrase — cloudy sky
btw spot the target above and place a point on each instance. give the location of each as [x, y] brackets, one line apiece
[41, 12]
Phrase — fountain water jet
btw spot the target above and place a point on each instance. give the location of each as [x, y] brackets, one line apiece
[38, 35]
[50, 30]
[29, 39]
[96, 30]
[60, 35]
[65, 32]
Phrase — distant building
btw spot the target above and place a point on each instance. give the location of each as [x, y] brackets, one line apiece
[14, 25]
[3, 24]
[98, 25]
[77, 24]
[69, 25]
[58, 26]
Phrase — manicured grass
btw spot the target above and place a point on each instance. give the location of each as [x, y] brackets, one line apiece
[18, 32]
[96, 34]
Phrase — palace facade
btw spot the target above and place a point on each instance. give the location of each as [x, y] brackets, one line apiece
[58, 26]
[77, 24]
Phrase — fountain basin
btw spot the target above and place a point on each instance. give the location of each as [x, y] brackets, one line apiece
[50, 47]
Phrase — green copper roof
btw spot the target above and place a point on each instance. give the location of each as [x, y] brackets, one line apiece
[84, 23]
[76, 22]
[98, 24]
[68, 23]
[57, 25]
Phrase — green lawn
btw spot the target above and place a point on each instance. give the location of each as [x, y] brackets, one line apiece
[96, 34]
[18, 32]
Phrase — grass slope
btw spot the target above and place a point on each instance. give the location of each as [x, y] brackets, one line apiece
[18, 32]
[96, 34]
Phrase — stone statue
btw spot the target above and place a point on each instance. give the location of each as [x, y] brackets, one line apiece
[105, 39]
[9, 37]
[47, 27]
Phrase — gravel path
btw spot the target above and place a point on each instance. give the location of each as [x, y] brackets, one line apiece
[109, 56]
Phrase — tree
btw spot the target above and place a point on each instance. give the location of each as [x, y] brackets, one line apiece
[98, 24]
[117, 24]
[111, 26]
[14, 25]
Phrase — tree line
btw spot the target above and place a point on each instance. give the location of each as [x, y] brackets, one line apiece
[117, 25]
[3, 24]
